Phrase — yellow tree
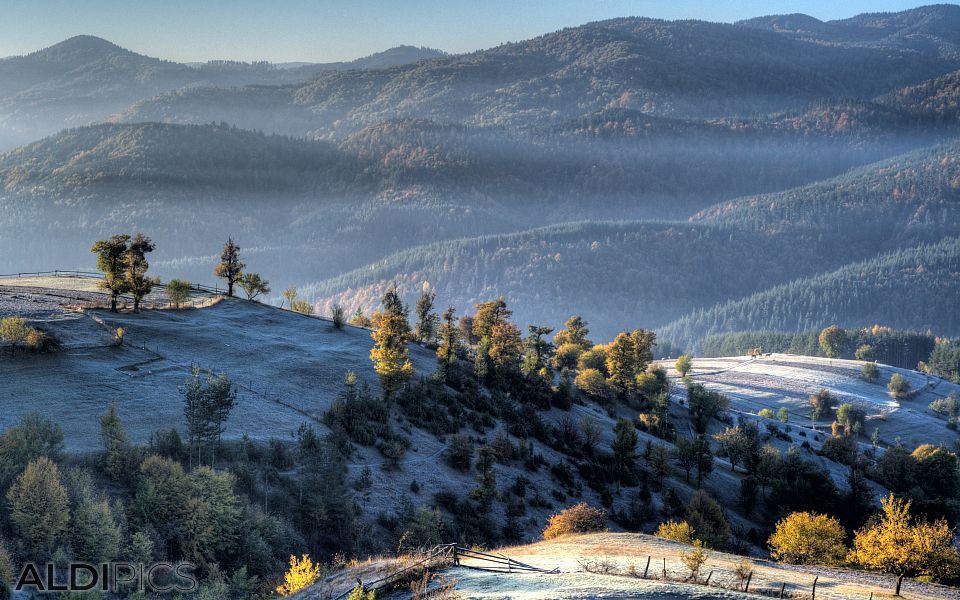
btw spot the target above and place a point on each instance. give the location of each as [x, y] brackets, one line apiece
[804, 538]
[897, 545]
[390, 355]
[302, 574]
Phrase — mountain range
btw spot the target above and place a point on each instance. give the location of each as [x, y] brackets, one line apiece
[689, 176]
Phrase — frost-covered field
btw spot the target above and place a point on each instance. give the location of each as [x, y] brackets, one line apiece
[783, 380]
[286, 365]
[622, 557]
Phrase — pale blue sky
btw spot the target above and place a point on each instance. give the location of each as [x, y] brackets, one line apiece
[331, 30]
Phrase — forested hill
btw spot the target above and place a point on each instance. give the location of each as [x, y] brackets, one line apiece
[153, 155]
[925, 28]
[916, 195]
[613, 273]
[672, 68]
[915, 289]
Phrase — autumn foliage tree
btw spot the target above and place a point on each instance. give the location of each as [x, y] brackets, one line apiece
[899, 545]
[230, 267]
[391, 332]
[805, 538]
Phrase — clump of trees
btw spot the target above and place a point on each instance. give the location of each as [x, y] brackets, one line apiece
[123, 261]
[15, 331]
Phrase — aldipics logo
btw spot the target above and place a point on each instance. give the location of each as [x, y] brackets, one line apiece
[157, 578]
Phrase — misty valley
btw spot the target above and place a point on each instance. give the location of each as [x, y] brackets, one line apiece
[637, 307]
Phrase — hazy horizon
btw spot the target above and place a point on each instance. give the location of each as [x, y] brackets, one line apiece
[322, 31]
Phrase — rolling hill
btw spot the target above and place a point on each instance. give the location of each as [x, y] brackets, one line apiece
[669, 68]
[85, 78]
[915, 289]
[618, 274]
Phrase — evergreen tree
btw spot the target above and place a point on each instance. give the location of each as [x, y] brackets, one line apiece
[537, 354]
[426, 328]
[624, 447]
[39, 506]
[390, 355]
[117, 452]
[230, 267]
[450, 346]
[622, 364]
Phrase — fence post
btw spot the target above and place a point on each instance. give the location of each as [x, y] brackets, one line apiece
[709, 575]
[647, 568]
[664, 567]
[783, 586]
[746, 587]
[813, 593]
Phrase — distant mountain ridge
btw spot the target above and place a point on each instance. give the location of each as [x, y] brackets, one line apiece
[86, 78]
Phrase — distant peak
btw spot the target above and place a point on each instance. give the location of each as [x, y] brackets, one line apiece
[79, 46]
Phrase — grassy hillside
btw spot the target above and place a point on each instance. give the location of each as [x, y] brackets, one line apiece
[909, 289]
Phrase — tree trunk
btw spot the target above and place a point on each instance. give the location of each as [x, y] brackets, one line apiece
[113, 303]
[230, 288]
[899, 583]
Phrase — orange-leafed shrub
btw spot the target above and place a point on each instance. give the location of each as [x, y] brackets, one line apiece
[581, 518]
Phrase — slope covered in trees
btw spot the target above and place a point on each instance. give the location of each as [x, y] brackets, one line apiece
[676, 68]
[915, 289]
[611, 272]
[912, 196]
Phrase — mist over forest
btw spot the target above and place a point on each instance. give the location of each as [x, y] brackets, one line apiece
[773, 151]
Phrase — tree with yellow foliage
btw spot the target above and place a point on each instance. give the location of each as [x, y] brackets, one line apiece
[302, 574]
[390, 355]
[898, 545]
[678, 531]
[804, 538]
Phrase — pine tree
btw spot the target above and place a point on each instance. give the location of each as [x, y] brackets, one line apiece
[117, 452]
[230, 267]
[624, 447]
[390, 354]
[622, 364]
[426, 328]
[450, 346]
[39, 506]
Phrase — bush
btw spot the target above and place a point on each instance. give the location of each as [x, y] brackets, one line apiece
[804, 538]
[677, 531]
[459, 454]
[948, 407]
[870, 372]
[695, 558]
[336, 315]
[301, 306]
[766, 413]
[898, 386]
[580, 518]
[43, 342]
[592, 383]
[178, 291]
